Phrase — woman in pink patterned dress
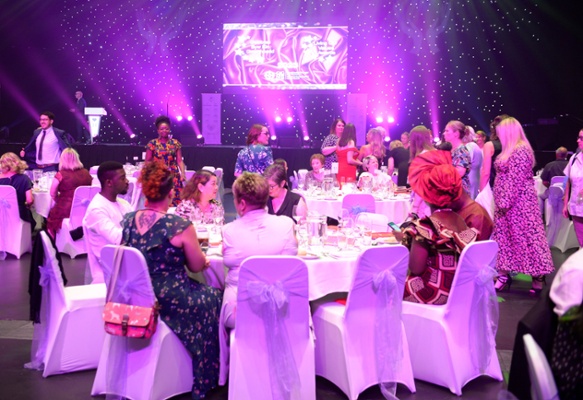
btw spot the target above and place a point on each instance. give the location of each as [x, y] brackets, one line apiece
[169, 151]
[518, 226]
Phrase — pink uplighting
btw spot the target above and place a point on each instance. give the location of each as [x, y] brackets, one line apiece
[379, 119]
[391, 120]
[189, 118]
[273, 137]
[199, 136]
[278, 119]
[179, 118]
[306, 138]
[289, 119]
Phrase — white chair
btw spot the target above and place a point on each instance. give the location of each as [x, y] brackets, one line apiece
[189, 173]
[272, 347]
[454, 343]
[70, 335]
[356, 203]
[560, 230]
[132, 185]
[364, 342]
[81, 199]
[15, 234]
[558, 180]
[144, 369]
[209, 168]
[376, 222]
[220, 183]
[542, 381]
[93, 170]
[302, 175]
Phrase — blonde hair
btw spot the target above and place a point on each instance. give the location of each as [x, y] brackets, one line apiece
[70, 160]
[471, 135]
[376, 143]
[251, 187]
[394, 144]
[13, 163]
[511, 135]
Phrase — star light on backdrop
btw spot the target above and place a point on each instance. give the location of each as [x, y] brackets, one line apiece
[419, 61]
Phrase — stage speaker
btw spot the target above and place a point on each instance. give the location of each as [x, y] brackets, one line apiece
[211, 118]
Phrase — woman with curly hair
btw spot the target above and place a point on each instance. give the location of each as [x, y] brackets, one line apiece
[198, 198]
[169, 243]
[168, 150]
[12, 173]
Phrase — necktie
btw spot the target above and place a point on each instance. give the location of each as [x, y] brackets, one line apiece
[40, 147]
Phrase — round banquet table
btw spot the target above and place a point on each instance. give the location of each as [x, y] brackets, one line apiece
[43, 202]
[396, 208]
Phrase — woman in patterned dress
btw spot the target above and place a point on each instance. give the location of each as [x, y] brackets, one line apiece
[169, 243]
[436, 241]
[71, 175]
[257, 155]
[169, 151]
[454, 133]
[199, 202]
[330, 143]
[518, 226]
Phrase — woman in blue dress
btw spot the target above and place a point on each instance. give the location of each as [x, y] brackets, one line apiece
[169, 243]
[257, 155]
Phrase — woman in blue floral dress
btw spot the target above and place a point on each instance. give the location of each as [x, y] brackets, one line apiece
[169, 242]
[169, 151]
[257, 155]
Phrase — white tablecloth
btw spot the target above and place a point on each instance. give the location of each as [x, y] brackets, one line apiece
[396, 209]
[42, 203]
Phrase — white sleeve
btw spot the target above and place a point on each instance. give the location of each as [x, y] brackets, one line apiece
[99, 222]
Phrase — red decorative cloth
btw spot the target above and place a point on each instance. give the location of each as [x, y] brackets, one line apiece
[433, 177]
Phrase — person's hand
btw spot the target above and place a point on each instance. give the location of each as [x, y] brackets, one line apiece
[22, 152]
[207, 263]
[565, 211]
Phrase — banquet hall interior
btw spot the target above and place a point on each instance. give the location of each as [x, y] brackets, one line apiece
[213, 68]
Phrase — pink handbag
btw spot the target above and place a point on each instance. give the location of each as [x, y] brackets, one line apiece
[126, 319]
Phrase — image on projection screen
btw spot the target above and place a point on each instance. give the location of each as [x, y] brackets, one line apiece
[284, 56]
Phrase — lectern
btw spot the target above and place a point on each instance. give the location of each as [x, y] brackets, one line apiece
[94, 115]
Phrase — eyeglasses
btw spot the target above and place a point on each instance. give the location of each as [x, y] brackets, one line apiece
[271, 187]
[579, 137]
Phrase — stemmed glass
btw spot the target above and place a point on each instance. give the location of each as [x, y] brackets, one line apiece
[36, 176]
[296, 215]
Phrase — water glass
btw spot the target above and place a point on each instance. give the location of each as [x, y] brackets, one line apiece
[342, 239]
[36, 176]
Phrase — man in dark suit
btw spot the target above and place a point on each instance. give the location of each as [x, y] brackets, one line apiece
[45, 147]
[79, 111]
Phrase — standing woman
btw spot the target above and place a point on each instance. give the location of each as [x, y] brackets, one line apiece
[347, 155]
[398, 158]
[518, 226]
[169, 151]
[476, 161]
[573, 201]
[405, 139]
[481, 139]
[454, 133]
[490, 151]
[374, 146]
[330, 143]
[257, 155]
[71, 175]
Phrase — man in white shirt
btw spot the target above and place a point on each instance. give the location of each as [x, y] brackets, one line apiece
[102, 221]
[45, 147]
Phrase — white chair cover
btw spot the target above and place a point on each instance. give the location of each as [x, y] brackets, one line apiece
[272, 344]
[302, 175]
[70, 334]
[220, 183]
[356, 203]
[542, 382]
[209, 168]
[155, 368]
[189, 173]
[560, 180]
[364, 342]
[486, 199]
[81, 199]
[455, 343]
[560, 230]
[15, 234]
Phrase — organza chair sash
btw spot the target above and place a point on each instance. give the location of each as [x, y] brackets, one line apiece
[4, 207]
[556, 201]
[271, 302]
[484, 313]
[387, 335]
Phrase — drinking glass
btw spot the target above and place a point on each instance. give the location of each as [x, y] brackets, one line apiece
[36, 175]
[219, 216]
[342, 239]
[295, 214]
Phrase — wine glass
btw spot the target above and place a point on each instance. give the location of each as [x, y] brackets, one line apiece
[36, 175]
[296, 215]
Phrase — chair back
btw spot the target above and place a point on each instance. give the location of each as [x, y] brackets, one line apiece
[189, 173]
[558, 180]
[9, 214]
[373, 310]
[81, 199]
[356, 203]
[93, 170]
[542, 382]
[302, 174]
[133, 284]
[51, 278]
[273, 318]
[376, 222]
[209, 168]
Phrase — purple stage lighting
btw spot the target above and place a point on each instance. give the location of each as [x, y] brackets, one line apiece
[133, 135]
[273, 137]
[379, 120]
[179, 118]
[189, 118]
[278, 119]
[289, 119]
[199, 136]
[306, 138]
[387, 139]
[391, 120]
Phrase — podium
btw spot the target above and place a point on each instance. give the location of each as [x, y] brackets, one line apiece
[94, 115]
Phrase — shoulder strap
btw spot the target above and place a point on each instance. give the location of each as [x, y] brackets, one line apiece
[117, 258]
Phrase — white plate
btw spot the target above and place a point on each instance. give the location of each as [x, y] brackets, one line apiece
[309, 257]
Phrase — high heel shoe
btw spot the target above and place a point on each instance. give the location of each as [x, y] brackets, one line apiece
[503, 282]
[537, 285]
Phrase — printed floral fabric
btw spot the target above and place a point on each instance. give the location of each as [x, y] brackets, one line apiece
[329, 141]
[460, 157]
[166, 152]
[254, 158]
[518, 225]
[188, 307]
[190, 210]
[445, 246]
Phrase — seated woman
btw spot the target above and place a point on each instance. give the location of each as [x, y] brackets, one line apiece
[169, 242]
[71, 175]
[281, 200]
[317, 173]
[198, 198]
[254, 233]
[12, 173]
[436, 241]
[379, 179]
